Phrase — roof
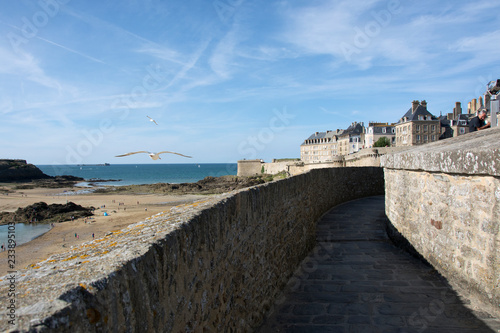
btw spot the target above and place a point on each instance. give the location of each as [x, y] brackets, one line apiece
[354, 129]
[379, 129]
[413, 116]
[323, 135]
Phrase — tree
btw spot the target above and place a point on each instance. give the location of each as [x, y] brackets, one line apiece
[382, 142]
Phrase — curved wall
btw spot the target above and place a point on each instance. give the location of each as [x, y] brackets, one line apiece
[444, 197]
[216, 264]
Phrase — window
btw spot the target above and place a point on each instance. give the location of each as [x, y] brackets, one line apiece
[433, 127]
[418, 128]
[425, 138]
[393, 130]
[383, 130]
[420, 117]
[433, 138]
[462, 130]
[418, 138]
[425, 128]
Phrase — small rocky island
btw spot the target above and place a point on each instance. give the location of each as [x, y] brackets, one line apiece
[19, 171]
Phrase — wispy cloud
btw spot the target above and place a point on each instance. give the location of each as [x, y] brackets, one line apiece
[23, 64]
[71, 50]
[222, 57]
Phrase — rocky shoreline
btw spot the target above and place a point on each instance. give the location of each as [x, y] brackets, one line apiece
[208, 185]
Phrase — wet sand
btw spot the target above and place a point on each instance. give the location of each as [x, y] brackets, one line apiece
[122, 210]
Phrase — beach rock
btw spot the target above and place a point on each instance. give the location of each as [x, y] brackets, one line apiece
[208, 185]
[19, 170]
[42, 212]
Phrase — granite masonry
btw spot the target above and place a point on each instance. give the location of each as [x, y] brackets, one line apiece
[213, 265]
[444, 197]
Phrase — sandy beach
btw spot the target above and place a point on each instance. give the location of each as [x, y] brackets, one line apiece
[122, 210]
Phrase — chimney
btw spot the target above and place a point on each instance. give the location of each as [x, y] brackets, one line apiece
[424, 104]
[414, 106]
[457, 110]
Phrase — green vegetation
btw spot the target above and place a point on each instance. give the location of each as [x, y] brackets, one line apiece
[262, 169]
[382, 142]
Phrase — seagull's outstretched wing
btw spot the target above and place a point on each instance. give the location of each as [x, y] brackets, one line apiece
[171, 152]
[135, 152]
[151, 119]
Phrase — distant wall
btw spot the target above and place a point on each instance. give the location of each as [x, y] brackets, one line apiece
[216, 265]
[249, 167]
[369, 157]
[444, 197]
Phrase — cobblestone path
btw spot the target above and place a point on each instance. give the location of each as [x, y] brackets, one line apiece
[356, 280]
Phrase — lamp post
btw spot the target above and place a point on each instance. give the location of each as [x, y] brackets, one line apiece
[492, 90]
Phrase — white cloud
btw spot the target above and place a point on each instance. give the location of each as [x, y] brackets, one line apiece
[222, 59]
[24, 65]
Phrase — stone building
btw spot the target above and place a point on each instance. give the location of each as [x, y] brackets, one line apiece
[375, 131]
[454, 124]
[320, 147]
[351, 140]
[418, 126]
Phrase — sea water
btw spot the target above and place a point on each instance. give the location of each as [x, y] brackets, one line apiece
[131, 174]
[23, 232]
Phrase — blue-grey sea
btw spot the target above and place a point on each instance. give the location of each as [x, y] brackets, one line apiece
[131, 174]
[125, 174]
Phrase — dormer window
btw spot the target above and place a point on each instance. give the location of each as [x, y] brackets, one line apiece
[420, 117]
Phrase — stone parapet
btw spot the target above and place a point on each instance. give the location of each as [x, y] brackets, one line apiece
[215, 265]
[476, 153]
[444, 198]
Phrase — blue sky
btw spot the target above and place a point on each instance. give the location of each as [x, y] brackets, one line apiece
[227, 79]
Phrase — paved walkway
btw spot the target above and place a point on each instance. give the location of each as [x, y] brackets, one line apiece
[356, 280]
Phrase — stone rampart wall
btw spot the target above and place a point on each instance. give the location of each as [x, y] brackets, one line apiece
[369, 157]
[215, 265]
[249, 167]
[444, 197]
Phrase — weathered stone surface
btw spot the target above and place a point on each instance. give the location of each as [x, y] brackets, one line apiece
[211, 265]
[476, 153]
[444, 198]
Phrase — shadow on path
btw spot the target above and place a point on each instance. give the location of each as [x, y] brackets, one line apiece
[357, 280]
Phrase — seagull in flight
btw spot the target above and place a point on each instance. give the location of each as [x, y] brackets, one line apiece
[154, 156]
[152, 120]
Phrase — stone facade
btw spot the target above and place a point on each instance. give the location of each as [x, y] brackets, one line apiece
[418, 126]
[351, 140]
[445, 199]
[214, 265]
[375, 131]
[320, 147]
[249, 167]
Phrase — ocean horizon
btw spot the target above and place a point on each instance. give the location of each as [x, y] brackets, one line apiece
[137, 174]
